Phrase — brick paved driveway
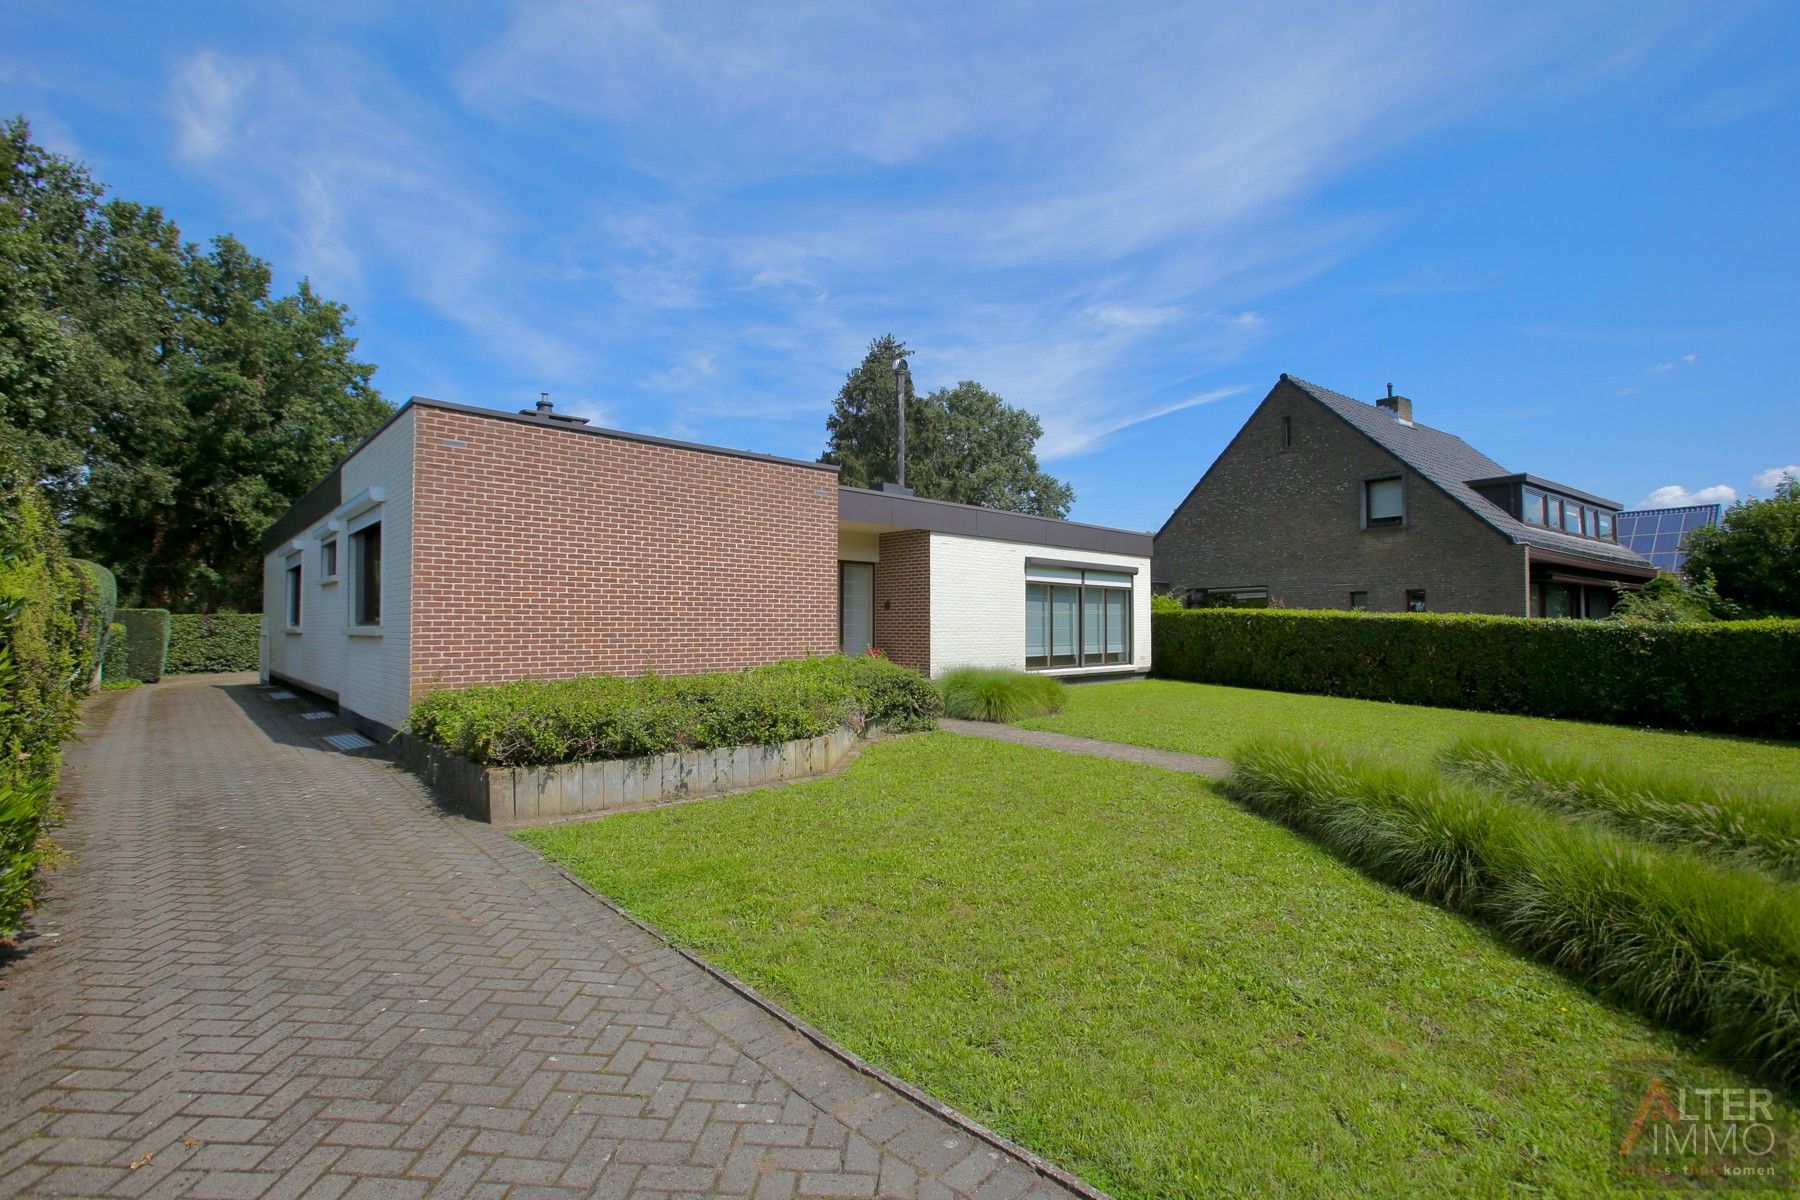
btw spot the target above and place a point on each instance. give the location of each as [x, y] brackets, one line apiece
[273, 969]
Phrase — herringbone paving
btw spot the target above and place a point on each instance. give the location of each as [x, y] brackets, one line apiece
[276, 970]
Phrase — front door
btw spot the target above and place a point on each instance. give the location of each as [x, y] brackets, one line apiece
[856, 606]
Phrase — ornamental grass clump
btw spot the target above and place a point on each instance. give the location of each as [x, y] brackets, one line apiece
[996, 694]
[537, 722]
[1685, 940]
[1751, 827]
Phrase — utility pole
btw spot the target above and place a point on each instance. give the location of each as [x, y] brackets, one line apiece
[902, 381]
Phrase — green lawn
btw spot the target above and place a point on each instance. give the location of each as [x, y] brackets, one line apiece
[1203, 719]
[1118, 968]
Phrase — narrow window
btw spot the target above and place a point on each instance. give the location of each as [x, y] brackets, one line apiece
[328, 560]
[1532, 512]
[293, 596]
[1287, 433]
[1571, 518]
[1415, 600]
[365, 555]
[1383, 502]
[1359, 599]
[1037, 625]
[856, 607]
[1603, 525]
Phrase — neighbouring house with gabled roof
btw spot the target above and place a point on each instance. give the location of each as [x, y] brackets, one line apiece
[1323, 501]
[461, 545]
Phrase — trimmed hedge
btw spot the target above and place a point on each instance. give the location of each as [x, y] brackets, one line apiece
[1683, 940]
[203, 642]
[1733, 676]
[146, 642]
[46, 665]
[96, 615]
[118, 654]
[538, 722]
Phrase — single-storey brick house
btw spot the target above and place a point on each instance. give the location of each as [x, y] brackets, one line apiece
[463, 545]
[1323, 501]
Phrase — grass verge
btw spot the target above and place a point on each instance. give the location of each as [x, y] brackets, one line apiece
[1740, 826]
[1203, 718]
[1683, 940]
[1143, 982]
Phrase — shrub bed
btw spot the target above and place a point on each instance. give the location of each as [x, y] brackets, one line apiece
[543, 722]
[1740, 827]
[1683, 940]
[206, 642]
[46, 665]
[146, 642]
[996, 694]
[1737, 676]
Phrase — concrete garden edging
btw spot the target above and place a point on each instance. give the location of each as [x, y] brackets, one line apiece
[507, 796]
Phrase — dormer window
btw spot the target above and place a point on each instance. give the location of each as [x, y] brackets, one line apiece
[1532, 509]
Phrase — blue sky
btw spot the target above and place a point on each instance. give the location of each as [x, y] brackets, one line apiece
[1568, 232]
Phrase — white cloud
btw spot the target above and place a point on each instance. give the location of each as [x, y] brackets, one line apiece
[207, 103]
[1673, 495]
[1767, 480]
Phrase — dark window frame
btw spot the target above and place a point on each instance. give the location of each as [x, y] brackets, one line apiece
[1398, 522]
[295, 583]
[1050, 660]
[1287, 432]
[1359, 601]
[328, 560]
[365, 563]
[1424, 604]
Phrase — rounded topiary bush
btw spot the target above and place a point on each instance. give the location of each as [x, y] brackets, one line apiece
[996, 694]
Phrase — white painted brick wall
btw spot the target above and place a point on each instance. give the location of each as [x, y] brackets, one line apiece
[978, 602]
[369, 674]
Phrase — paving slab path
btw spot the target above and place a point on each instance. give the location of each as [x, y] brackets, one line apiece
[273, 968]
[1168, 760]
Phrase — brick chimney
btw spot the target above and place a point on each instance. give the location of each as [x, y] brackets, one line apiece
[1397, 407]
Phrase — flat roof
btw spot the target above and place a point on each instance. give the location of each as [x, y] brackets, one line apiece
[866, 506]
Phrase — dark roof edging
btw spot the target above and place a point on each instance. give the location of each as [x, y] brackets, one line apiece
[870, 507]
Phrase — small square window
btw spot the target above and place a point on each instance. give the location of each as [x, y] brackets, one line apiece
[1383, 502]
[1359, 599]
[1415, 600]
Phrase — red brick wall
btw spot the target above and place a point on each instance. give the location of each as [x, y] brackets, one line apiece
[903, 598]
[550, 553]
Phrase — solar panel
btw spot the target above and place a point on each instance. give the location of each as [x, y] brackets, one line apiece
[1658, 533]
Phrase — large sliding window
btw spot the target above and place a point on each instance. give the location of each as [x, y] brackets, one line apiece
[1075, 617]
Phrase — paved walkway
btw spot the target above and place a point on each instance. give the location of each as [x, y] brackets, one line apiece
[274, 969]
[1168, 760]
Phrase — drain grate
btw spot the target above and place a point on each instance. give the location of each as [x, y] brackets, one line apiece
[282, 696]
[349, 741]
[321, 715]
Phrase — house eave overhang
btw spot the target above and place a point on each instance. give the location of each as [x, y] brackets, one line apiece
[879, 511]
[1598, 566]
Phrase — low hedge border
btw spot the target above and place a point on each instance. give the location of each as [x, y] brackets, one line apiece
[1732, 676]
[1681, 939]
[594, 718]
[210, 642]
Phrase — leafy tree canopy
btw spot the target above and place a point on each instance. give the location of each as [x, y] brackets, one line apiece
[963, 443]
[172, 407]
[1753, 555]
